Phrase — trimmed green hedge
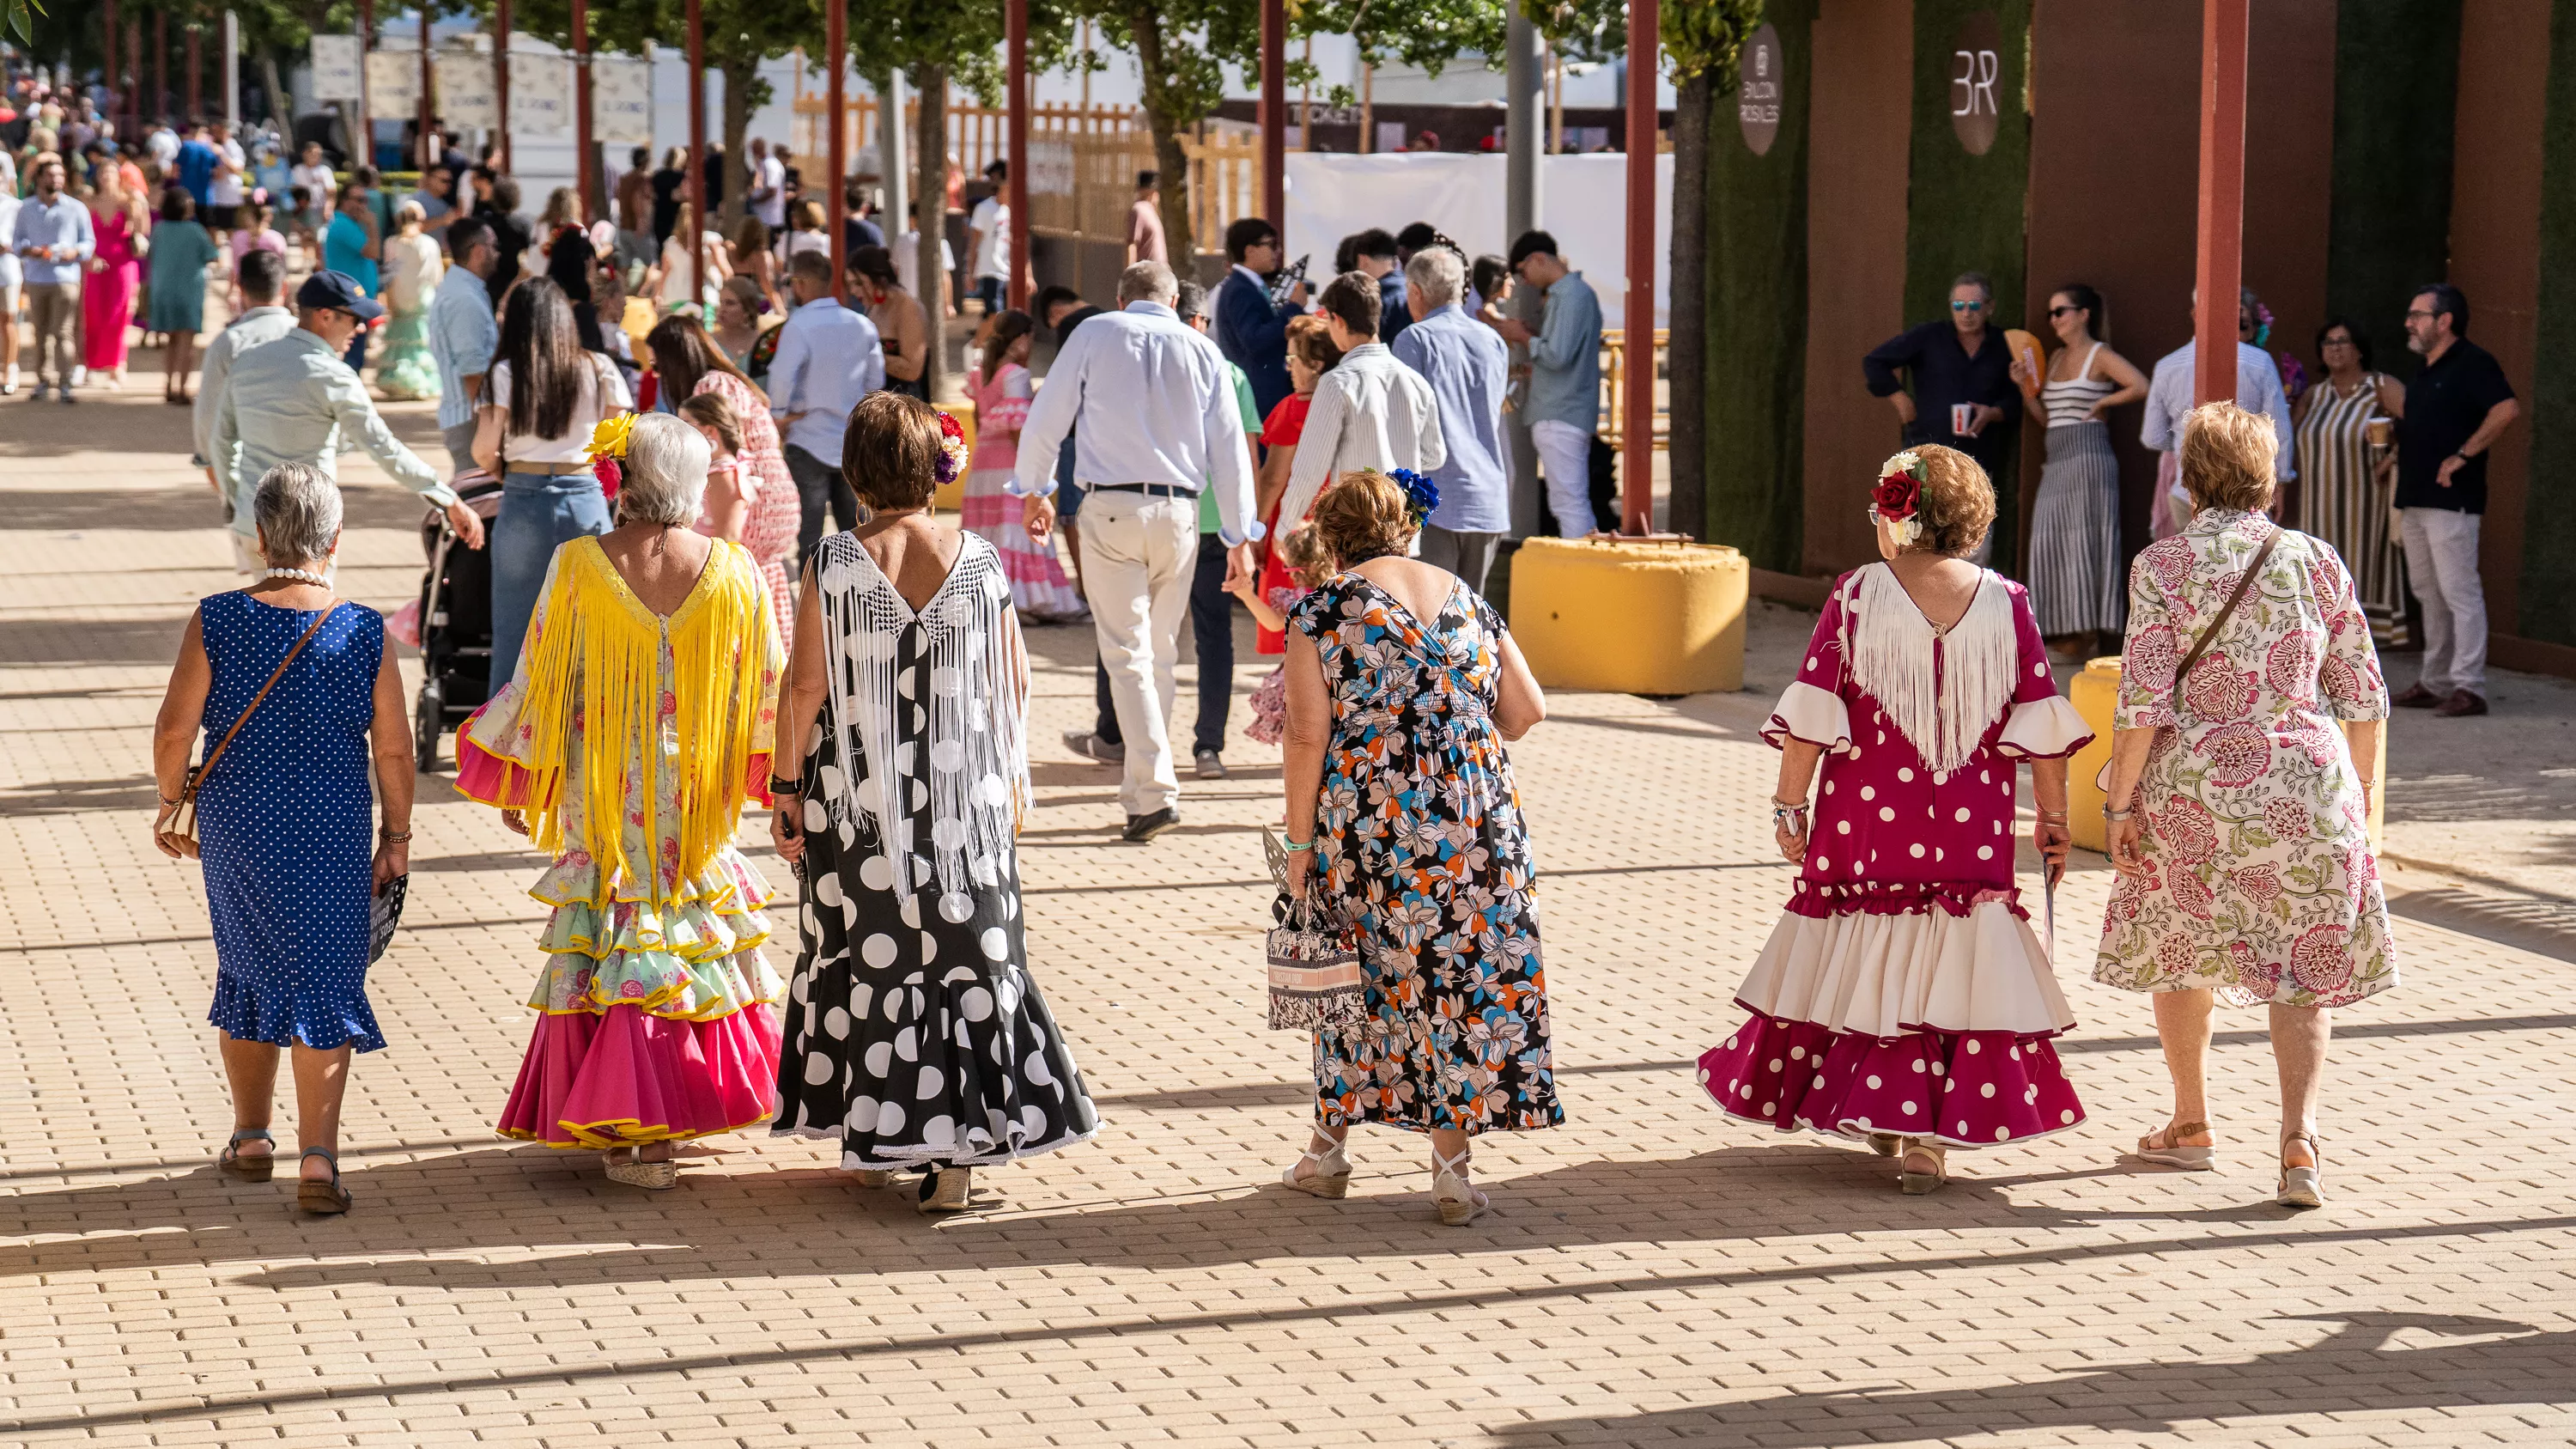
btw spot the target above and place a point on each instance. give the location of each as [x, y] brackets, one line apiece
[1756, 392]
[2397, 80]
[2548, 593]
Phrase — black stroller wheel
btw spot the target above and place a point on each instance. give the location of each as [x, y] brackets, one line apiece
[429, 720]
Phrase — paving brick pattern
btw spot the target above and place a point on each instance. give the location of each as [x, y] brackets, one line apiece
[1653, 1274]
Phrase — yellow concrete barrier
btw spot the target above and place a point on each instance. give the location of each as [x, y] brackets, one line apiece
[1633, 616]
[2096, 694]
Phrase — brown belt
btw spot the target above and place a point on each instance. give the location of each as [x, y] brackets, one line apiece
[551, 469]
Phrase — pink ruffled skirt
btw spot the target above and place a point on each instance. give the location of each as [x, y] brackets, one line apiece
[624, 1077]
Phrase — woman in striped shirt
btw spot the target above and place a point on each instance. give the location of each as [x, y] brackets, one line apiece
[2075, 582]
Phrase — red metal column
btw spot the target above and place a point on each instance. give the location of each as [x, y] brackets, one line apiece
[585, 165]
[836, 159]
[196, 58]
[1015, 29]
[2222, 197]
[161, 62]
[134, 76]
[428, 98]
[107, 64]
[501, 85]
[1637, 455]
[365, 140]
[697, 151]
[1274, 112]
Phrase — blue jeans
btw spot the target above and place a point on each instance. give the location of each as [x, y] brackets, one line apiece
[540, 513]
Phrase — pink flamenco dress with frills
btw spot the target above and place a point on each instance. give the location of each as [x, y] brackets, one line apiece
[1903, 991]
[658, 1013]
[1039, 587]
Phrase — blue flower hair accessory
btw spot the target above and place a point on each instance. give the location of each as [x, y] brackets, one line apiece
[1419, 491]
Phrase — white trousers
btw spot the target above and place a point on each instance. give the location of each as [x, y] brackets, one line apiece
[2442, 572]
[1139, 551]
[1565, 462]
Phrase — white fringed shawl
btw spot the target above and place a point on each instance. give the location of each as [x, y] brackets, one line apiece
[979, 769]
[1945, 706]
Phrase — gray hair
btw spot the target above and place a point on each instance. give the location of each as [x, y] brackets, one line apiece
[1436, 273]
[665, 471]
[297, 508]
[1148, 282]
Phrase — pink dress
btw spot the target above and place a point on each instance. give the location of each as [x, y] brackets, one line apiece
[107, 295]
[1038, 582]
[775, 514]
[1903, 990]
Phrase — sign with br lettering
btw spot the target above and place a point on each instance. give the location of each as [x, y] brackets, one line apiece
[1975, 63]
[1760, 74]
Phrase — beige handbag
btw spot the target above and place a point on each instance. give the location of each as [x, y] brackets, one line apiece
[181, 829]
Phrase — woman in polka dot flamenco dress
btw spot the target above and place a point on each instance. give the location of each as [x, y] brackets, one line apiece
[916, 1036]
[1903, 998]
[637, 721]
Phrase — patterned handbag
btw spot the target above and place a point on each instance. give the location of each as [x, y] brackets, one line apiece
[1314, 968]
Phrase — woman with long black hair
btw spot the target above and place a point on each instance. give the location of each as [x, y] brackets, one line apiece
[542, 400]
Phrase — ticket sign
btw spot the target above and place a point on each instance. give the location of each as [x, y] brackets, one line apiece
[465, 90]
[540, 94]
[1976, 64]
[1759, 89]
[621, 100]
[335, 67]
[393, 85]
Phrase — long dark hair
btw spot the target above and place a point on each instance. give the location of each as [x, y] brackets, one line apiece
[1008, 328]
[684, 353]
[2098, 322]
[569, 263]
[544, 351]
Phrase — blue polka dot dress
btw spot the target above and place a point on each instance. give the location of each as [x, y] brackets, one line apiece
[286, 823]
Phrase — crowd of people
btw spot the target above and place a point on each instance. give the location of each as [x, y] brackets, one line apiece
[2391, 473]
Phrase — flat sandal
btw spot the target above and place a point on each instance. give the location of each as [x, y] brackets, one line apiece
[2172, 1154]
[249, 1169]
[316, 1196]
[2303, 1187]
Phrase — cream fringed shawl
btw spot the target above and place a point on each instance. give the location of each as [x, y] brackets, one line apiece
[971, 725]
[595, 669]
[1942, 689]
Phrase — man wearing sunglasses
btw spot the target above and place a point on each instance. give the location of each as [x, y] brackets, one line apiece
[1962, 393]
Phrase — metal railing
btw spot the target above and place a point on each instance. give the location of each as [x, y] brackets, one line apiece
[1614, 386]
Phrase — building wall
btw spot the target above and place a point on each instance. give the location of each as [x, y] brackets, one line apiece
[2289, 175]
[2547, 622]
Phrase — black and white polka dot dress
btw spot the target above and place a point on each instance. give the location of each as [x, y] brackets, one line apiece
[914, 1033]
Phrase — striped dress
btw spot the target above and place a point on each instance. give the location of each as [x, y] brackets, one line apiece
[2075, 582]
[2344, 506]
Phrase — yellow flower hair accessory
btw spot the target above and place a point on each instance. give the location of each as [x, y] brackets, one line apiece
[607, 447]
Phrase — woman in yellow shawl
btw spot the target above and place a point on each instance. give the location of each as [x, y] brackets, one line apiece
[636, 724]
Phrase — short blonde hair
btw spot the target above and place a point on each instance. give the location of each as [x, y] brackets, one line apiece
[2227, 456]
[1364, 515]
[1958, 501]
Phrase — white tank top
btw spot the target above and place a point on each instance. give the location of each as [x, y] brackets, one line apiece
[2071, 402]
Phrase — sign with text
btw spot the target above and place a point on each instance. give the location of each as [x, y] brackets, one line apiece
[540, 94]
[465, 90]
[1976, 63]
[1759, 89]
[335, 67]
[393, 85]
[621, 100]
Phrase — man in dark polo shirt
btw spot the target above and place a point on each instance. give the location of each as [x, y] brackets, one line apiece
[1961, 362]
[2455, 408]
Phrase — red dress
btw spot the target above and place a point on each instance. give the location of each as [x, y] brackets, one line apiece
[1281, 430]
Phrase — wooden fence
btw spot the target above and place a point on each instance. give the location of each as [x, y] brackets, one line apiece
[1614, 387]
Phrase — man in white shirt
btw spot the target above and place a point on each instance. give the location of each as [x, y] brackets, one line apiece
[1158, 422]
[262, 321]
[768, 193]
[907, 268]
[224, 193]
[988, 240]
[1370, 411]
[2170, 395]
[828, 358]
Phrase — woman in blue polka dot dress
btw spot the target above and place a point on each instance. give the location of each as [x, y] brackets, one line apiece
[283, 822]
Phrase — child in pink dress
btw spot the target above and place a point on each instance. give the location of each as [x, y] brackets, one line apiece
[1301, 554]
[999, 387]
[1903, 998]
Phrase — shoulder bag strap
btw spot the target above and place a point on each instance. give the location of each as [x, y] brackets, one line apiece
[2244, 581]
[253, 707]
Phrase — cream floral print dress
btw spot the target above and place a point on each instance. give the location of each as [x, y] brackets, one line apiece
[2260, 882]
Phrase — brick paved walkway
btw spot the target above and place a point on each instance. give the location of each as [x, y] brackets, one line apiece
[1654, 1274]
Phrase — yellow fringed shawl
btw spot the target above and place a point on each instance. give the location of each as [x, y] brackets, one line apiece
[598, 661]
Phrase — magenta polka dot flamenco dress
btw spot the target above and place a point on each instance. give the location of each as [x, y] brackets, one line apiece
[1903, 990]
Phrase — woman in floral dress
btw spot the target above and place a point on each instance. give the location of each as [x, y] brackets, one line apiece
[1403, 687]
[1903, 998]
[2239, 812]
[1000, 389]
[636, 723]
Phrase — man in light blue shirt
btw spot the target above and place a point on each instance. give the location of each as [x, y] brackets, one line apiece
[1564, 407]
[295, 401]
[263, 276]
[1158, 423]
[2169, 396]
[463, 335]
[1468, 366]
[54, 240]
[828, 358]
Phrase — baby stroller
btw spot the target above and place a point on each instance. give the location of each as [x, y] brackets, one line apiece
[455, 618]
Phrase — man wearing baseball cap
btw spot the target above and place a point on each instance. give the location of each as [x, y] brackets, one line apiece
[295, 401]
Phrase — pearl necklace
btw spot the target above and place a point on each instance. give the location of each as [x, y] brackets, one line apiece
[307, 575]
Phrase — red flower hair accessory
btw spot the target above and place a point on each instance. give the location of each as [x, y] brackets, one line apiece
[952, 448]
[1898, 497]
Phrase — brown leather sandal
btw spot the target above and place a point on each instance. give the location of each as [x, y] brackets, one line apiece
[2173, 1153]
[249, 1169]
[315, 1196]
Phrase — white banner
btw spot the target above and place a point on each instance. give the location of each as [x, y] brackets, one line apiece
[393, 85]
[335, 67]
[465, 90]
[621, 100]
[540, 94]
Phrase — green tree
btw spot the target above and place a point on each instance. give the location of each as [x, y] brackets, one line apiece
[1702, 41]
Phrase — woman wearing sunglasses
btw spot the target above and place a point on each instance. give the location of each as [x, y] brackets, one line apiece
[2076, 584]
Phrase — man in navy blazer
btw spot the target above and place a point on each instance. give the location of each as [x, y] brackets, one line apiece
[1252, 331]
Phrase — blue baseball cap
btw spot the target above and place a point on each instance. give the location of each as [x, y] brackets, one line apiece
[339, 290]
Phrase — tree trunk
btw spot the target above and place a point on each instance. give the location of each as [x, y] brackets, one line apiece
[1688, 349]
[930, 212]
[279, 111]
[739, 77]
[1145, 25]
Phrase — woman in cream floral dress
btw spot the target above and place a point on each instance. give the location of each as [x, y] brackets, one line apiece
[2239, 812]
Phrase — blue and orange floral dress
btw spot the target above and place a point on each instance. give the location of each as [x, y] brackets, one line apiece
[1421, 841]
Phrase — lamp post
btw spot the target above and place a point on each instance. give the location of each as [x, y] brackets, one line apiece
[1637, 461]
[1274, 112]
[2222, 198]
